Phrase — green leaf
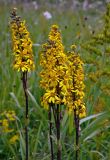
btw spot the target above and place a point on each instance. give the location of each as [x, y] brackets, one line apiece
[90, 117]
[99, 153]
[36, 140]
[94, 125]
[64, 120]
[70, 123]
[39, 109]
[15, 99]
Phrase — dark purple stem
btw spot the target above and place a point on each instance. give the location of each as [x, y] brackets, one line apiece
[58, 133]
[24, 80]
[76, 119]
[50, 131]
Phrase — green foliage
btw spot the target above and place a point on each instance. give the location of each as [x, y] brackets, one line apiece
[97, 48]
[95, 128]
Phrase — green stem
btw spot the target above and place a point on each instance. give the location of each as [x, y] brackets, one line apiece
[24, 80]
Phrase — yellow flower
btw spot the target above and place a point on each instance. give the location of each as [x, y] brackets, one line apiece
[14, 139]
[22, 45]
[54, 75]
[61, 76]
[75, 90]
[5, 123]
[73, 46]
[10, 115]
[5, 120]
[5, 126]
[82, 111]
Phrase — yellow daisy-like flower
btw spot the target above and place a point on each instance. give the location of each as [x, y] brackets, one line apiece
[22, 45]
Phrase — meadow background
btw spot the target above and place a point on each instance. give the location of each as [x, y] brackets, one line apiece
[78, 21]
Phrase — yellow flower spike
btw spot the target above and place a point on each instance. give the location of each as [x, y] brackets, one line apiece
[22, 45]
[76, 85]
[54, 68]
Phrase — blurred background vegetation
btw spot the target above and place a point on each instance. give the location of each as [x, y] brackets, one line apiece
[85, 4]
[78, 21]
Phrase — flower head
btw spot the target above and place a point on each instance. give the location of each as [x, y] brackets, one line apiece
[14, 139]
[22, 45]
[47, 15]
[76, 85]
[7, 118]
[54, 68]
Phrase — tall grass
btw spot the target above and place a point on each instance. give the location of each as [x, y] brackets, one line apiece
[94, 129]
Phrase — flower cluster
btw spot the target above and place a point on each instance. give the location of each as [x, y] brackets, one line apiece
[22, 45]
[75, 92]
[6, 118]
[61, 76]
[54, 69]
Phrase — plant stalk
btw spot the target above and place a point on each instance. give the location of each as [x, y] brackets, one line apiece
[24, 80]
[58, 133]
[76, 119]
[50, 131]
